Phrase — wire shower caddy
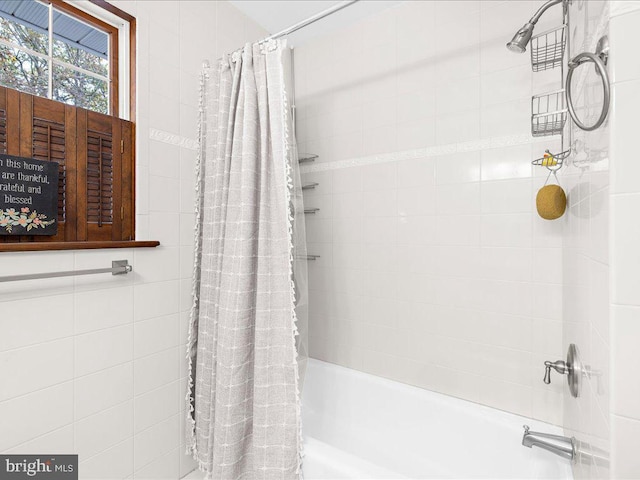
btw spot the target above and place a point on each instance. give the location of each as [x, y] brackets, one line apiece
[553, 161]
[547, 49]
[549, 110]
[548, 114]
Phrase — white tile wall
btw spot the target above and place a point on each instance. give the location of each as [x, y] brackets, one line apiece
[94, 365]
[434, 270]
[25, 419]
[624, 419]
[586, 268]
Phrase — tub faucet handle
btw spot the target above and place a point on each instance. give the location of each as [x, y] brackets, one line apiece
[559, 366]
[573, 368]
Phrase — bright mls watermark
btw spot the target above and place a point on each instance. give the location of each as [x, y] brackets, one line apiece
[49, 467]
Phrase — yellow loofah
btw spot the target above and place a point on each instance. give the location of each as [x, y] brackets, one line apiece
[548, 160]
[551, 202]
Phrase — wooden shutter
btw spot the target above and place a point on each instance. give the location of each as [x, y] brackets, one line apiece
[49, 145]
[105, 184]
[52, 137]
[4, 140]
[128, 183]
[3, 122]
[9, 121]
[95, 153]
[10, 107]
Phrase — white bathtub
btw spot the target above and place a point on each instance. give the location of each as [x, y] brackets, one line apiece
[360, 426]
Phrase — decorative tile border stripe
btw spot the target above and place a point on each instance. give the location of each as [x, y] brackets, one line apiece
[172, 139]
[438, 150]
[435, 151]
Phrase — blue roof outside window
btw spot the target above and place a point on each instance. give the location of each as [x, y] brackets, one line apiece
[34, 14]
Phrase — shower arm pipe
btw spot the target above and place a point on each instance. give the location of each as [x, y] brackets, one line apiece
[543, 9]
[521, 39]
[310, 20]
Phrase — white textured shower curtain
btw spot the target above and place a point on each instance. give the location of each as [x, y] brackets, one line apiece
[243, 398]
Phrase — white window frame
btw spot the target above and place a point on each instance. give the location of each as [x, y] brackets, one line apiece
[124, 64]
[124, 59]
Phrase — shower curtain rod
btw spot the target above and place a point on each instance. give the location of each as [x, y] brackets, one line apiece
[302, 24]
[310, 20]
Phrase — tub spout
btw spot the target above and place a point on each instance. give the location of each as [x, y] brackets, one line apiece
[562, 446]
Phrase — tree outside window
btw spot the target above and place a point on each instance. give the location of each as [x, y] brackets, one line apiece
[71, 65]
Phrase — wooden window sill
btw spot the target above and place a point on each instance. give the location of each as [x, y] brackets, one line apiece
[42, 246]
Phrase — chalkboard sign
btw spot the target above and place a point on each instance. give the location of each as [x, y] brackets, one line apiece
[28, 196]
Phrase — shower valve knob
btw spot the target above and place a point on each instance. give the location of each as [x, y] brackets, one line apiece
[559, 366]
[572, 368]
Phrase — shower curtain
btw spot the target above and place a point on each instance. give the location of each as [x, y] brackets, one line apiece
[243, 393]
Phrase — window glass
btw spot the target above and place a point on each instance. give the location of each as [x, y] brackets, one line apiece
[77, 55]
[22, 36]
[79, 44]
[25, 24]
[80, 89]
[22, 71]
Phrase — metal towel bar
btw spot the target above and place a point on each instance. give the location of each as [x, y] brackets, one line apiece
[118, 267]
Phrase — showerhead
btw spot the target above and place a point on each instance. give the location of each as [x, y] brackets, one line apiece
[520, 40]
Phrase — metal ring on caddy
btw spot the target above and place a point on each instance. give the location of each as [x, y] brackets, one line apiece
[602, 71]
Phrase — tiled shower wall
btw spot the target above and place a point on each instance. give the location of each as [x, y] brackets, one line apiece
[435, 269]
[625, 234]
[95, 365]
[586, 254]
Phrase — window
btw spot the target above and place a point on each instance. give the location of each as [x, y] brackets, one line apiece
[52, 49]
[61, 89]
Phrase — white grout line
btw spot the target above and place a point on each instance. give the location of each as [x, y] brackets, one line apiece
[172, 139]
[472, 146]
